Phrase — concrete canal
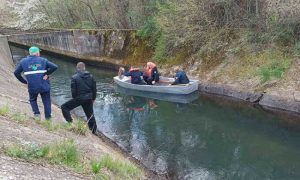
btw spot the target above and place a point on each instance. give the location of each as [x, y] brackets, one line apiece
[201, 137]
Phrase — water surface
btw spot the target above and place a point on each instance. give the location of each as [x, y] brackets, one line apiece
[208, 138]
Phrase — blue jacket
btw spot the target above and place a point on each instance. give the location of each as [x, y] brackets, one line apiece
[34, 69]
[181, 78]
[135, 76]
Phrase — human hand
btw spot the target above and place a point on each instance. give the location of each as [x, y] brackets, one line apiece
[46, 77]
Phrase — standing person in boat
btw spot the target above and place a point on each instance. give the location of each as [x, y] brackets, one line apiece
[37, 71]
[83, 87]
[180, 77]
[135, 75]
[151, 75]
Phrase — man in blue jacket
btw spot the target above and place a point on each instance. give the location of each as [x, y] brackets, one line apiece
[36, 71]
[135, 75]
[180, 77]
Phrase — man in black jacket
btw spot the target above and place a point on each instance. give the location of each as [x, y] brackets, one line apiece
[84, 90]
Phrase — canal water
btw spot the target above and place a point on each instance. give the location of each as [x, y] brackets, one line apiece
[206, 138]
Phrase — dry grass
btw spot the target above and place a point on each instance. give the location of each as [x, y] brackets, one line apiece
[268, 64]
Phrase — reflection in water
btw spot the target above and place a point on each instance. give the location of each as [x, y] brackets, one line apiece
[209, 138]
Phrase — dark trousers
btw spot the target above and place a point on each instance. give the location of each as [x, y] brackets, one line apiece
[46, 101]
[87, 106]
[148, 80]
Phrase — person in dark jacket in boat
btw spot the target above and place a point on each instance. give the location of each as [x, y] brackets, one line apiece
[36, 71]
[135, 75]
[151, 75]
[83, 87]
[180, 77]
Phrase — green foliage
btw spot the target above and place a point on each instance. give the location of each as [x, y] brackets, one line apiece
[78, 126]
[284, 36]
[20, 118]
[96, 166]
[297, 48]
[160, 49]
[235, 50]
[274, 32]
[28, 152]
[150, 29]
[274, 70]
[120, 168]
[65, 153]
[4, 110]
[49, 125]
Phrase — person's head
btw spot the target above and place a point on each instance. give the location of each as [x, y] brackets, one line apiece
[176, 68]
[80, 66]
[34, 51]
[150, 65]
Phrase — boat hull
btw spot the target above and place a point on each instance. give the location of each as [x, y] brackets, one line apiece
[174, 89]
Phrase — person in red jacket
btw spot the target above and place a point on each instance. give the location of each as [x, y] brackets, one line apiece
[151, 75]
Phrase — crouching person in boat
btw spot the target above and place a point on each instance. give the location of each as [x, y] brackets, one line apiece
[151, 75]
[180, 77]
[135, 75]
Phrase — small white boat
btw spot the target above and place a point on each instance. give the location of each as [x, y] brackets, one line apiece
[161, 87]
[177, 98]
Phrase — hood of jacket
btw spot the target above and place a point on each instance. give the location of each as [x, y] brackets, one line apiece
[83, 74]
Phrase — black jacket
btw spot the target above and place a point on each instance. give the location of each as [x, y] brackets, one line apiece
[83, 86]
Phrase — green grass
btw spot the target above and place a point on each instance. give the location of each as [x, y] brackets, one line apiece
[4, 110]
[28, 152]
[96, 167]
[121, 169]
[266, 65]
[78, 126]
[49, 125]
[274, 70]
[63, 153]
[20, 118]
[66, 153]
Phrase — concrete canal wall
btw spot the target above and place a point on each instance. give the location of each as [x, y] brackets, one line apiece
[105, 46]
[5, 54]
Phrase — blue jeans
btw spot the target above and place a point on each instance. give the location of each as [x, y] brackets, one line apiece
[46, 101]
